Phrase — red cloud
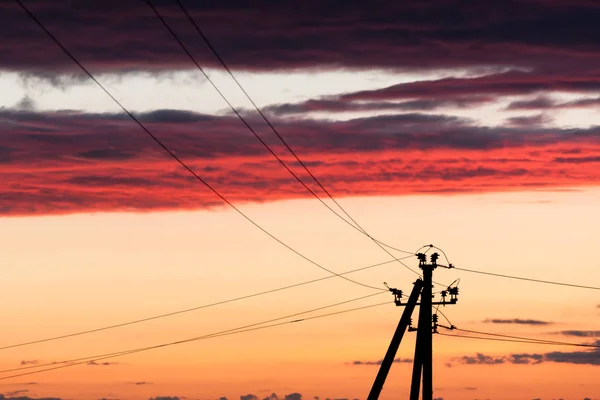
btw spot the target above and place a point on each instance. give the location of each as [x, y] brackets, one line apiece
[65, 163]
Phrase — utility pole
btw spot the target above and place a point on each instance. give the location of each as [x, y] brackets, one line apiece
[423, 350]
[404, 322]
[428, 324]
[423, 361]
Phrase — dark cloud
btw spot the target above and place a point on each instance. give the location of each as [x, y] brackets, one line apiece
[335, 104]
[293, 396]
[527, 121]
[141, 383]
[507, 83]
[166, 398]
[29, 362]
[481, 359]
[396, 360]
[26, 104]
[533, 104]
[101, 364]
[518, 321]
[15, 393]
[269, 34]
[578, 160]
[544, 102]
[248, 397]
[573, 357]
[9, 397]
[579, 333]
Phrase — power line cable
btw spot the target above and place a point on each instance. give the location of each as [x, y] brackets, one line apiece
[526, 338]
[450, 266]
[276, 132]
[218, 333]
[521, 338]
[247, 328]
[137, 321]
[176, 158]
[242, 119]
[520, 341]
[527, 279]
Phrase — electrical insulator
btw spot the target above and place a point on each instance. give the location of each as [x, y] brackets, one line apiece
[435, 318]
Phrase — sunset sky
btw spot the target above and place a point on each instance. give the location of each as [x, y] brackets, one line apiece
[470, 125]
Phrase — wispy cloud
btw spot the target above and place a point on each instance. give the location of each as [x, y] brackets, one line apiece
[517, 321]
[396, 360]
[579, 333]
[573, 357]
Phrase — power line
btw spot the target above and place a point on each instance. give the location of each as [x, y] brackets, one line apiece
[176, 158]
[520, 341]
[246, 328]
[450, 266]
[526, 338]
[193, 59]
[276, 132]
[193, 308]
[527, 279]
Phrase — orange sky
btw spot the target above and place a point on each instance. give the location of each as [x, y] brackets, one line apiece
[78, 272]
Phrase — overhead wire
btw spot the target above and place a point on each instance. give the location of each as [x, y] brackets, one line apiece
[504, 337]
[451, 266]
[526, 338]
[243, 120]
[187, 310]
[276, 132]
[246, 328]
[528, 279]
[174, 156]
[519, 341]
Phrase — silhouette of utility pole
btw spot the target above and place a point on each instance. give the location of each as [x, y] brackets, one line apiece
[404, 323]
[428, 325]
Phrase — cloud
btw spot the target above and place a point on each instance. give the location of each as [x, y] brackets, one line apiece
[530, 120]
[95, 363]
[15, 393]
[573, 357]
[396, 360]
[166, 398]
[336, 104]
[141, 383]
[402, 35]
[29, 362]
[579, 333]
[518, 321]
[248, 397]
[293, 396]
[64, 162]
[532, 104]
[10, 397]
